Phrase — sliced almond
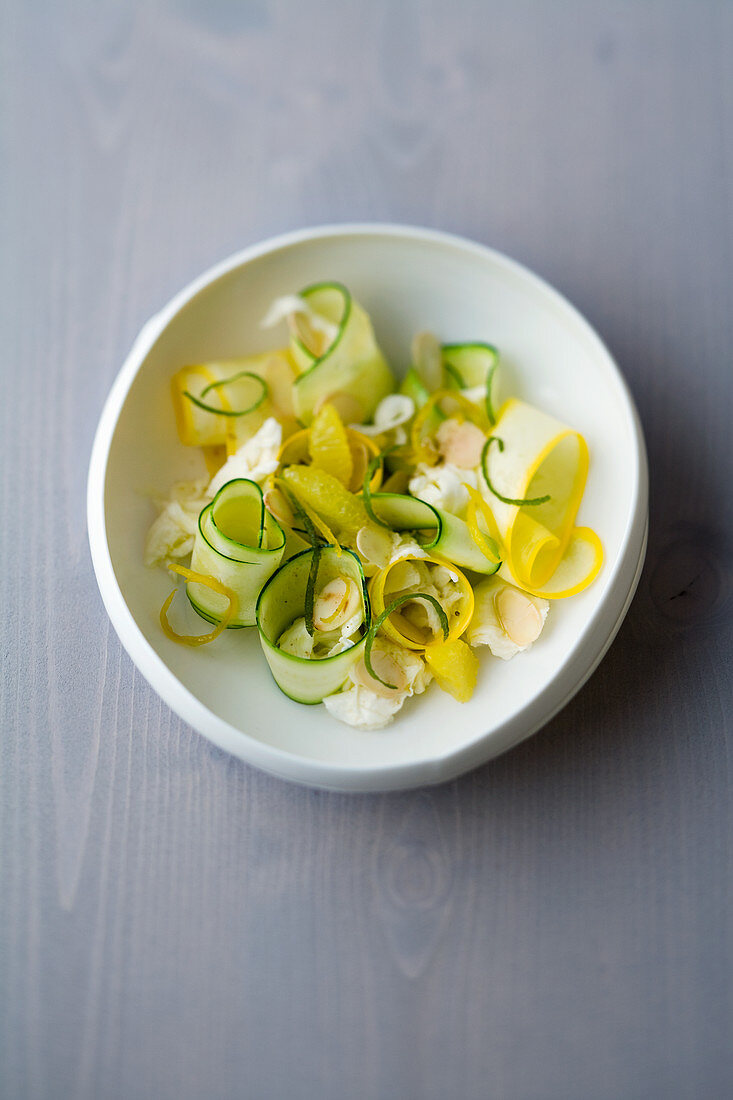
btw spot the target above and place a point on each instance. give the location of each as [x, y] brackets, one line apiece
[392, 411]
[385, 667]
[374, 545]
[278, 506]
[330, 603]
[335, 604]
[360, 458]
[519, 616]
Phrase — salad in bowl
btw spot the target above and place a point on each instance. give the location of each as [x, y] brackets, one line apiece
[385, 537]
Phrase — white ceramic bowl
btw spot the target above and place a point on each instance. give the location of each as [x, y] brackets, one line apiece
[407, 279]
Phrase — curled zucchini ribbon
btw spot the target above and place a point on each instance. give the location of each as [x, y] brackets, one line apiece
[439, 532]
[536, 479]
[351, 365]
[239, 544]
[283, 600]
[400, 629]
[471, 366]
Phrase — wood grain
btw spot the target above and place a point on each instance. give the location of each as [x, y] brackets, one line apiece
[175, 924]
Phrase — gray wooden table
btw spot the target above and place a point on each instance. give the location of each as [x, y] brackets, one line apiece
[173, 924]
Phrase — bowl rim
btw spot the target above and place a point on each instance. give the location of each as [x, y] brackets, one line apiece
[583, 658]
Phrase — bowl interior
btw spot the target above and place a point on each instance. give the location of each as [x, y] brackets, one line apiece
[549, 357]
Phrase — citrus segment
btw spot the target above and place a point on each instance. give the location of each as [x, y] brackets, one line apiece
[325, 494]
[455, 668]
[329, 445]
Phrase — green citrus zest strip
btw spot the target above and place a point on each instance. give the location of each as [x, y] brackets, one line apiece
[455, 375]
[312, 522]
[323, 529]
[487, 401]
[366, 487]
[485, 472]
[310, 531]
[225, 382]
[215, 586]
[310, 590]
[406, 598]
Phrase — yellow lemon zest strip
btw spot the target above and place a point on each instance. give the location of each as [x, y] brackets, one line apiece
[477, 504]
[320, 526]
[215, 586]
